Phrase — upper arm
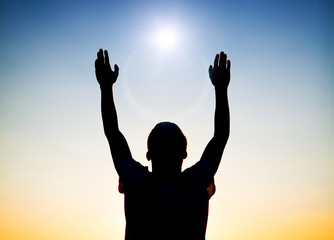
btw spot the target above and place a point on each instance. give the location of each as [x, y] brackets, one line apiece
[118, 147]
[214, 152]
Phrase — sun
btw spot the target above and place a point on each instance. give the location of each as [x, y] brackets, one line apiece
[166, 38]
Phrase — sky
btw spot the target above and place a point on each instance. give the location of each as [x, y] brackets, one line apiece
[276, 178]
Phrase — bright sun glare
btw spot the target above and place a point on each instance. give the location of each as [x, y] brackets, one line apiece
[166, 38]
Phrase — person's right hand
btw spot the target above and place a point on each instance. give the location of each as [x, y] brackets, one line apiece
[104, 74]
[220, 72]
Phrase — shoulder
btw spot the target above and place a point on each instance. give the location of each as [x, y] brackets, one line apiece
[131, 171]
[202, 170]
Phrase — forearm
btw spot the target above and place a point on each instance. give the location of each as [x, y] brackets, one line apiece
[118, 145]
[222, 116]
[108, 110]
[215, 148]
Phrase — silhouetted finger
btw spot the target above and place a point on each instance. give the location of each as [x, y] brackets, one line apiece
[216, 61]
[116, 69]
[100, 55]
[228, 64]
[97, 63]
[106, 57]
[223, 58]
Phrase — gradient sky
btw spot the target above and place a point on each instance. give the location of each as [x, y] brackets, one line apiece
[57, 179]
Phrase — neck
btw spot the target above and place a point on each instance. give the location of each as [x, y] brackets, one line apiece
[165, 173]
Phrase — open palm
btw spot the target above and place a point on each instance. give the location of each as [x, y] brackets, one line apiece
[104, 74]
[220, 72]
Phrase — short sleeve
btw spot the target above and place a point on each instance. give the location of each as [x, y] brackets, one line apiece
[203, 170]
[131, 172]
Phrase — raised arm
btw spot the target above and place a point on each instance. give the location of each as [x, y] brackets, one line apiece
[220, 78]
[106, 77]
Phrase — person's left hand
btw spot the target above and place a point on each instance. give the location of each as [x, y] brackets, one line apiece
[104, 74]
[220, 72]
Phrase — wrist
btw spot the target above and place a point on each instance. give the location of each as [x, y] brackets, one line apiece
[221, 90]
[106, 87]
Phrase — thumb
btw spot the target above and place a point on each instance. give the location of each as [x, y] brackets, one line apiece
[116, 69]
[211, 75]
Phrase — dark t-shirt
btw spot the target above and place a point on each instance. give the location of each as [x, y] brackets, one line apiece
[155, 209]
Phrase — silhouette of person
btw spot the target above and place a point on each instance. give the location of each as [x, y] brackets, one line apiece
[166, 203]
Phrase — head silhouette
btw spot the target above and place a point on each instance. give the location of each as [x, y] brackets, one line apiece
[167, 147]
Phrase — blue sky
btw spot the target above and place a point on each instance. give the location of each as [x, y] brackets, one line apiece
[53, 152]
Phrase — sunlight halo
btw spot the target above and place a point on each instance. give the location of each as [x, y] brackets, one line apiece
[166, 38]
